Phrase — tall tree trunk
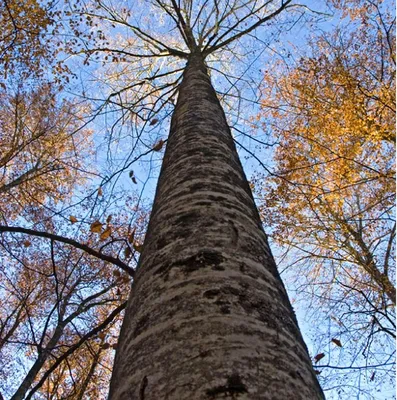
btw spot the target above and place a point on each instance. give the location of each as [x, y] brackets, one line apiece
[208, 315]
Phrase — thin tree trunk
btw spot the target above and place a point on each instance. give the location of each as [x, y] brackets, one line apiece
[208, 316]
[42, 357]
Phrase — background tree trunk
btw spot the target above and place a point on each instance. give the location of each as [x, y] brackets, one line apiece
[208, 315]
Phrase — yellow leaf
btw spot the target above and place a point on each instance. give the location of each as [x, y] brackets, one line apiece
[96, 227]
[106, 233]
[72, 219]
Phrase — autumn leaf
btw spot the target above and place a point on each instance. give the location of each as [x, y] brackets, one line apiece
[318, 357]
[116, 273]
[131, 174]
[72, 219]
[106, 346]
[159, 145]
[96, 227]
[137, 247]
[100, 192]
[127, 252]
[131, 237]
[108, 219]
[154, 121]
[27, 243]
[101, 335]
[106, 233]
[337, 342]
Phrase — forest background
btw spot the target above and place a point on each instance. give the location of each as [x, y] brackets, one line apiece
[87, 91]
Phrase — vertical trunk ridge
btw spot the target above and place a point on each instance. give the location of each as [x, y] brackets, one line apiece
[208, 316]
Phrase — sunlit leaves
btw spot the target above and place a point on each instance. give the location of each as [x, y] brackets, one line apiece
[22, 39]
[331, 200]
[42, 148]
[96, 227]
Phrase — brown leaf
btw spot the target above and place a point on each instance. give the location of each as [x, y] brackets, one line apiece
[154, 121]
[159, 145]
[106, 233]
[116, 273]
[106, 346]
[131, 237]
[100, 192]
[127, 252]
[101, 335]
[72, 219]
[27, 243]
[108, 219]
[137, 247]
[318, 357]
[96, 227]
[337, 342]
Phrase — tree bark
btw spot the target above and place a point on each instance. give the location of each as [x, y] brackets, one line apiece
[208, 316]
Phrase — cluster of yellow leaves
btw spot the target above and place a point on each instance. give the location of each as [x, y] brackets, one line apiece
[21, 37]
[42, 149]
[333, 114]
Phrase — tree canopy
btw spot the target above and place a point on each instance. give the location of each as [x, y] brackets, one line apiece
[331, 200]
[87, 89]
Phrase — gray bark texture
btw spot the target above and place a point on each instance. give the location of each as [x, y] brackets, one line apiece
[208, 316]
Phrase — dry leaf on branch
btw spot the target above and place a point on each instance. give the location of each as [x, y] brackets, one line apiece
[159, 145]
[106, 233]
[96, 227]
[72, 219]
[116, 273]
[137, 247]
[154, 121]
[131, 237]
[337, 342]
[127, 252]
[318, 357]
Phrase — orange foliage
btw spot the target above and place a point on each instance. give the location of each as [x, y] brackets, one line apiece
[42, 149]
